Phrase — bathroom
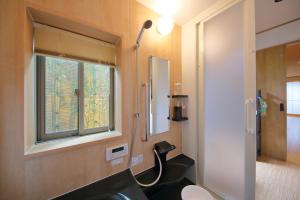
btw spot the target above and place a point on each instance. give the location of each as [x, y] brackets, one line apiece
[156, 96]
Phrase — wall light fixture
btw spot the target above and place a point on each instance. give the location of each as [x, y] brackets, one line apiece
[165, 25]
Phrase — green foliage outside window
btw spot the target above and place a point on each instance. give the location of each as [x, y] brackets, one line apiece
[62, 101]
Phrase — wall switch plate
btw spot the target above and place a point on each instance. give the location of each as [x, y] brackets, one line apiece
[137, 159]
[117, 161]
[141, 158]
[281, 107]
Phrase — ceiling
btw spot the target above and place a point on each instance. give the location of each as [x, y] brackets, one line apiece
[187, 9]
[268, 14]
[292, 56]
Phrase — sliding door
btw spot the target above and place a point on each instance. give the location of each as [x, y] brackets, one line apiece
[228, 71]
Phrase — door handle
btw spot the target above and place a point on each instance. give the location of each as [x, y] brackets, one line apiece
[248, 118]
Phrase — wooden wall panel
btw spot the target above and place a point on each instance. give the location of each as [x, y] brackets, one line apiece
[153, 44]
[49, 175]
[11, 97]
[271, 80]
[292, 57]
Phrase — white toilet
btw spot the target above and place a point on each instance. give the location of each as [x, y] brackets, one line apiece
[194, 192]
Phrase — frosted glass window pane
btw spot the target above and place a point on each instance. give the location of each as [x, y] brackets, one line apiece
[224, 103]
[293, 97]
[96, 95]
[61, 102]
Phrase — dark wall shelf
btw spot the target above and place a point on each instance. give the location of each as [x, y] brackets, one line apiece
[181, 119]
[179, 96]
[179, 110]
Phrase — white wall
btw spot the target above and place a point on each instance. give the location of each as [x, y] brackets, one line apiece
[269, 14]
[189, 86]
[280, 35]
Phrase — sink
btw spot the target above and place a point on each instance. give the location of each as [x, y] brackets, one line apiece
[174, 172]
[109, 196]
[120, 186]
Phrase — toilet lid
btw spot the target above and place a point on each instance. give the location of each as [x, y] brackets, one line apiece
[194, 192]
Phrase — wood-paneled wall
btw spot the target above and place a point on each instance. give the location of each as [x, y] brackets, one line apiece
[49, 175]
[271, 80]
[11, 99]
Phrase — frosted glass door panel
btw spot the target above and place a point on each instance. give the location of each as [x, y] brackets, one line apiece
[224, 103]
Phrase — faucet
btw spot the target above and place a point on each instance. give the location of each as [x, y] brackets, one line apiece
[162, 148]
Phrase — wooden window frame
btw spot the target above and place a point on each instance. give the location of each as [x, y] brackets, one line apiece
[80, 131]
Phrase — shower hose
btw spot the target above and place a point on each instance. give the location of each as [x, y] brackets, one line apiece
[135, 128]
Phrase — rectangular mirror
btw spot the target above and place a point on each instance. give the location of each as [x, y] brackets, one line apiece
[159, 90]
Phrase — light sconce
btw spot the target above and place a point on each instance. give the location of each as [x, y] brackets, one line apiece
[165, 25]
[167, 9]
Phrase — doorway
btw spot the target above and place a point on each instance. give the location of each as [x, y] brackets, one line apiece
[293, 102]
[226, 99]
[278, 122]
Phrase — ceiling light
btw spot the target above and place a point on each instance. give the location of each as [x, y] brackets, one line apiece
[165, 25]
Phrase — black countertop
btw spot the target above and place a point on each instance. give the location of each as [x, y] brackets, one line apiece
[121, 186]
[173, 174]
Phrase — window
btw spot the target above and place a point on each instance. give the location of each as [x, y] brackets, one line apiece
[73, 97]
[293, 98]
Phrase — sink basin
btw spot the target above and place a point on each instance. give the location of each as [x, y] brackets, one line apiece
[118, 196]
[174, 172]
[120, 186]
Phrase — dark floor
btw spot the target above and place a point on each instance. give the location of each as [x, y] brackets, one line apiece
[172, 192]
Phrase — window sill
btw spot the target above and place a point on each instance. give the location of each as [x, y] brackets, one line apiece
[59, 145]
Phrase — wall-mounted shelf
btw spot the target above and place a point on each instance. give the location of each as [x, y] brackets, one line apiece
[179, 110]
[181, 119]
[178, 96]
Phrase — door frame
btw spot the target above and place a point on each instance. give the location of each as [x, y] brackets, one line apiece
[250, 88]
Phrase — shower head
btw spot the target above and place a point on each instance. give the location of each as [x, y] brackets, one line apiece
[147, 24]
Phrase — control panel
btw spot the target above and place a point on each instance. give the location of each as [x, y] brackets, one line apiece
[116, 152]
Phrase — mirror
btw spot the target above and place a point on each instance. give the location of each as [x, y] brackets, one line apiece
[159, 89]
